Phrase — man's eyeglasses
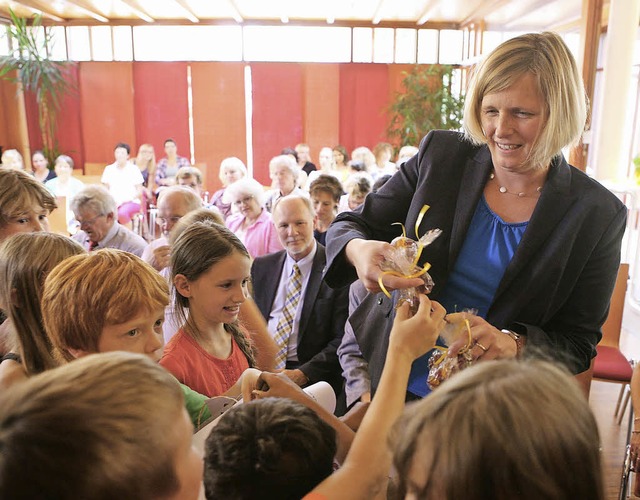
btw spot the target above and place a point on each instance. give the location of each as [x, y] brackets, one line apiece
[246, 200]
[164, 220]
[89, 222]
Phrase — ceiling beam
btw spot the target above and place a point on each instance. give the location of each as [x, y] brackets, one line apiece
[88, 9]
[377, 16]
[138, 11]
[189, 14]
[236, 12]
[426, 13]
[526, 8]
[485, 8]
[39, 8]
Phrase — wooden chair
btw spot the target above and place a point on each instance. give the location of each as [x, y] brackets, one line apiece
[610, 364]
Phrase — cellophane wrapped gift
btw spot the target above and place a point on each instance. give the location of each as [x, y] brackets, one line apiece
[441, 366]
[402, 261]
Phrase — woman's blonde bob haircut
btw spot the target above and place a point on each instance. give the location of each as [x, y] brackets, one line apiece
[548, 59]
[97, 428]
[501, 430]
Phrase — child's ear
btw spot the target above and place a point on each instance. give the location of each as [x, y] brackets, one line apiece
[77, 353]
[182, 285]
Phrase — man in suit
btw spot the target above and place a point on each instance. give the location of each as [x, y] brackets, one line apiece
[308, 342]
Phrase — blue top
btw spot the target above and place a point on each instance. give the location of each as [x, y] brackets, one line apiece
[485, 254]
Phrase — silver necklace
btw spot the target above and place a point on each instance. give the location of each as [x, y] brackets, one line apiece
[522, 194]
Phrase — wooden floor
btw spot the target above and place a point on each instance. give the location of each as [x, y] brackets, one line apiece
[603, 399]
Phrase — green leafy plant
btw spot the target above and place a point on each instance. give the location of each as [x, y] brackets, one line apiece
[427, 103]
[35, 73]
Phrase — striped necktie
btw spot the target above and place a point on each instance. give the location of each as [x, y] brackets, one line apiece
[285, 324]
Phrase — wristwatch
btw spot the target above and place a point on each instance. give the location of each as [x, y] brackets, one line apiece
[518, 339]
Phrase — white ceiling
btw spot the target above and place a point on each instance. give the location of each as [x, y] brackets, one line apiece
[499, 15]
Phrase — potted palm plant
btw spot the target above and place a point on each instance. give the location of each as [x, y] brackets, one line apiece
[30, 67]
[427, 103]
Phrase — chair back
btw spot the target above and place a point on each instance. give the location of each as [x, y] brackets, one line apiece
[613, 325]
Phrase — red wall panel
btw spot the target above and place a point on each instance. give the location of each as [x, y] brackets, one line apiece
[364, 97]
[106, 104]
[161, 105]
[321, 106]
[218, 116]
[277, 112]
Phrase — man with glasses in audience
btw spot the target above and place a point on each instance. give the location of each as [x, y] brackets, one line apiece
[96, 212]
[173, 203]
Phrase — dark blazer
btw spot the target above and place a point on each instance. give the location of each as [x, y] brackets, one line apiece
[555, 290]
[324, 312]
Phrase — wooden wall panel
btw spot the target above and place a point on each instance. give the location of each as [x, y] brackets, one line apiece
[218, 115]
[161, 106]
[364, 94]
[321, 115]
[106, 104]
[13, 121]
[277, 112]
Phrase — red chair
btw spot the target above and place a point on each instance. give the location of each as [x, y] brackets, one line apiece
[610, 364]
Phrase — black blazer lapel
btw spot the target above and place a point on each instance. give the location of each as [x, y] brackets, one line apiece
[311, 292]
[474, 178]
[268, 279]
[555, 201]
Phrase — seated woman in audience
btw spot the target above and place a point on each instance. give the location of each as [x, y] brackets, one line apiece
[405, 154]
[252, 223]
[325, 194]
[25, 260]
[40, 166]
[64, 184]
[232, 169]
[285, 175]
[383, 151]
[365, 156]
[210, 272]
[12, 159]
[341, 162]
[108, 426]
[146, 163]
[357, 186]
[124, 182]
[325, 164]
[169, 165]
[88, 308]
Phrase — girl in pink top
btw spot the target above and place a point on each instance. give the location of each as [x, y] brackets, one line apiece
[210, 274]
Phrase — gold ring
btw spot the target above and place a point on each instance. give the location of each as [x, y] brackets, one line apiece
[481, 346]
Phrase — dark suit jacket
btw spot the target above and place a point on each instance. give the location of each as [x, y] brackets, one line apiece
[324, 312]
[555, 290]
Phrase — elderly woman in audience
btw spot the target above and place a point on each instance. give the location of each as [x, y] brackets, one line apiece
[285, 175]
[325, 194]
[232, 169]
[253, 223]
[12, 159]
[25, 261]
[40, 166]
[107, 426]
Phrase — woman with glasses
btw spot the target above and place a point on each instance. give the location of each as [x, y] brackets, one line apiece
[250, 221]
